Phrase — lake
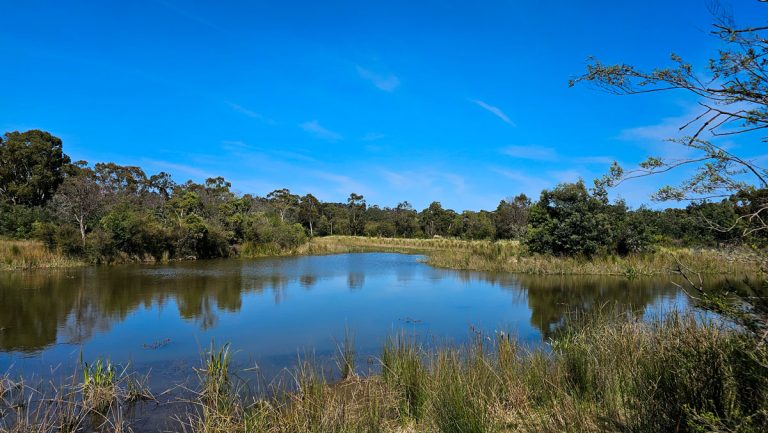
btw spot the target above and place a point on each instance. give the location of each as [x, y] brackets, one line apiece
[163, 317]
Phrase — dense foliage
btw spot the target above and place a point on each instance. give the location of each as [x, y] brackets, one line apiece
[107, 212]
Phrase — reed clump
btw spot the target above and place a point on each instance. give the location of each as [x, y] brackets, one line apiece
[98, 398]
[99, 384]
[30, 254]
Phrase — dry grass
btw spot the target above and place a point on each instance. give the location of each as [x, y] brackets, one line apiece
[511, 256]
[30, 254]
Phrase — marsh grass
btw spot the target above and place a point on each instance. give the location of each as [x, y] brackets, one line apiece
[346, 355]
[498, 256]
[98, 398]
[99, 384]
[511, 256]
[29, 254]
[604, 371]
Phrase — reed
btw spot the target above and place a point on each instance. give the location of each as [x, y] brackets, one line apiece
[99, 385]
[511, 256]
[346, 356]
[606, 371]
[29, 254]
[685, 375]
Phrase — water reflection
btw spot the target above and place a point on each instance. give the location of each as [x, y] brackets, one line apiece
[39, 309]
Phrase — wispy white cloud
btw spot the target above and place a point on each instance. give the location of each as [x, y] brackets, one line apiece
[344, 184]
[194, 17]
[568, 175]
[387, 83]
[655, 137]
[601, 160]
[373, 136]
[550, 154]
[234, 144]
[314, 127]
[496, 111]
[536, 153]
[432, 181]
[250, 113]
[179, 168]
[530, 184]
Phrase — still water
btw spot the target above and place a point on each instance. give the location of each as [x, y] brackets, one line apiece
[162, 317]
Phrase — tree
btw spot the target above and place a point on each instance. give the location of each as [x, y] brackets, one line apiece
[162, 184]
[435, 220]
[405, 223]
[32, 166]
[475, 225]
[356, 208]
[568, 220]
[309, 212]
[511, 217]
[79, 199]
[283, 201]
[121, 182]
[734, 101]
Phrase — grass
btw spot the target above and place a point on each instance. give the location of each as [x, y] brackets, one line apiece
[498, 256]
[603, 372]
[99, 398]
[685, 375]
[511, 256]
[30, 254]
[99, 385]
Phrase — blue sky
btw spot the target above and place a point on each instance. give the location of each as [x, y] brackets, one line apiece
[461, 102]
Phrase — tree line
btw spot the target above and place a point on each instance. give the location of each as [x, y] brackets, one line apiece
[107, 212]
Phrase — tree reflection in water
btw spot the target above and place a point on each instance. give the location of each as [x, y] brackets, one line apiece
[38, 309]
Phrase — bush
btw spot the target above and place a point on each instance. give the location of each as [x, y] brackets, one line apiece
[17, 221]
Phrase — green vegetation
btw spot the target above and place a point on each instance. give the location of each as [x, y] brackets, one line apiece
[32, 254]
[109, 213]
[513, 256]
[685, 375]
[607, 372]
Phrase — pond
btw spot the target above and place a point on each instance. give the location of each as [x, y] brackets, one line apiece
[272, 311]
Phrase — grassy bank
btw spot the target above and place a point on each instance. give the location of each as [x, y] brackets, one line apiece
[29, 254]
[685, 376]
[499, 256]
[511, 256]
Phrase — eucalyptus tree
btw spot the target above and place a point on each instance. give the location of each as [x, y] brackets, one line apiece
[79, 199]
[283, 202]
[32, 166]
[356, 208]
[511, 217]
[436, 221]
[309, 212]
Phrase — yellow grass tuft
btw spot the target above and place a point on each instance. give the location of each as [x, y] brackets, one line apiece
[30, 254]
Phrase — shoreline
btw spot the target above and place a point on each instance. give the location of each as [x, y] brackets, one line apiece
[488, 256]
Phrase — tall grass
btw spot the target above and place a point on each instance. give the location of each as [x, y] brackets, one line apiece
[28, 254]
[511, 256]
[604, 372]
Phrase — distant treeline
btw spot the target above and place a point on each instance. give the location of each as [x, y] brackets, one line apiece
[107, 212]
